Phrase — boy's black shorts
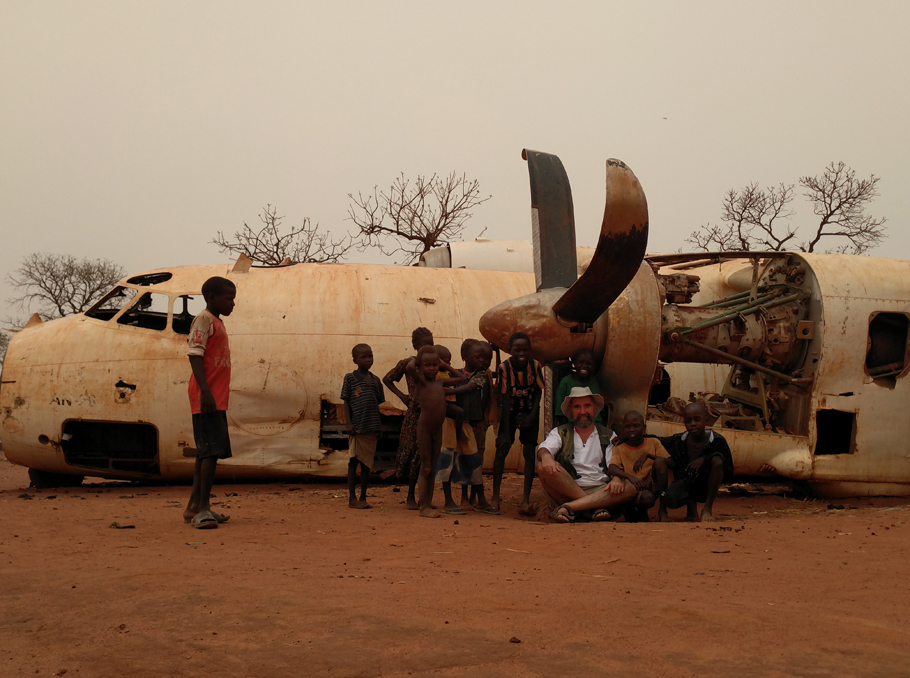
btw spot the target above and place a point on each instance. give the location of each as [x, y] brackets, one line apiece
[506, 434]
[210, 430]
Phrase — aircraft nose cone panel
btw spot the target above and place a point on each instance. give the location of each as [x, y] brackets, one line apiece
[533, 315]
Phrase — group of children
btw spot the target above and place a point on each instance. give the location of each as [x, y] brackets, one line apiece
[437, 393]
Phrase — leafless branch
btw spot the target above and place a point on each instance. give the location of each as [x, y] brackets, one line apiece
[840, 201]
[267, 245]
[56, 285]
[715, 237]
[759, 219]
[412, 218]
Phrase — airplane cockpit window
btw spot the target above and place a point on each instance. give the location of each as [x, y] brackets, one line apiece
[886, 359]
[149, 311]
[111, 303]
[185, 309]
[150, 279]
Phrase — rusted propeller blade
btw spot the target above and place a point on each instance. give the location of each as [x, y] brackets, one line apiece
[620, 249]
[552, 221]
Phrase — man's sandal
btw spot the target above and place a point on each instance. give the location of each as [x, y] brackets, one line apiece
[601, 515]
[564, 515]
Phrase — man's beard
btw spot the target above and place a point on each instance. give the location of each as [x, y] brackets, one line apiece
[584, 421]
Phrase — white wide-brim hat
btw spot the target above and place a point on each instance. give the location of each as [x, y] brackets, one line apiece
[581, 392]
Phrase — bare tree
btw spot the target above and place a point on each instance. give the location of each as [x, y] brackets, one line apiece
[267, 245]
[759, 219]
[414, 217]
[55, 285]
[4, 343]
[840, 203]
[754, 218]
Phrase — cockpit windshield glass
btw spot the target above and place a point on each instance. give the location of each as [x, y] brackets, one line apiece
[147, 279]
[185, 309]
[111, 303]
[149, 311]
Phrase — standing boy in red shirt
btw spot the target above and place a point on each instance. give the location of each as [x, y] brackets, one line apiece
[210, 360]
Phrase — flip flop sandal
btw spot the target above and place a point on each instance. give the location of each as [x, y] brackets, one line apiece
[454, 512]
[489, 510]
[564, 515]
[204, 521]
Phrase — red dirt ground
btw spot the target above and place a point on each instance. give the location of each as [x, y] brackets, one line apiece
[297, 584]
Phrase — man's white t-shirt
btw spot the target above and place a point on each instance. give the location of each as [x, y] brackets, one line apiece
[587, 457]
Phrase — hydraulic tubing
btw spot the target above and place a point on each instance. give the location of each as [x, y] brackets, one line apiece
[785, 378]
[763, 302]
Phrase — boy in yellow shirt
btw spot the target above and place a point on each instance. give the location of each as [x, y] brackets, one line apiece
[641, 461]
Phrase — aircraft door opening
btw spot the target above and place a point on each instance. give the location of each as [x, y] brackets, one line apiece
[111, 446]
[886, 357]
[835, 432]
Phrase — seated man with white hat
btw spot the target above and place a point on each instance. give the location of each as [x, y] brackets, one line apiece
[572, 462]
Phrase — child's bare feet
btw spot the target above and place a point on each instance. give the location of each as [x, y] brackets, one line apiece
[496, 503]
[189, 514]
[526, 509]
[429, 513]
[706, 515]
[692, 513]
[411, 504]
[358, 504]
[663, 516]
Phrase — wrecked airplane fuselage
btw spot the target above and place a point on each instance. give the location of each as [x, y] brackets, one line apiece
[105, 393]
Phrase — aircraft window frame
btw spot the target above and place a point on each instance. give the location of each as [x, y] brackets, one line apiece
[145, 317]
[97, 310]
[184, 320]
[881, 325]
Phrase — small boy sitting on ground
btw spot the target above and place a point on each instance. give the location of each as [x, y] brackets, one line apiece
[582, 376]
[520, 381]
[700, 461]
[209, 388]
[430, 396]
[643, 462]
[362, 393]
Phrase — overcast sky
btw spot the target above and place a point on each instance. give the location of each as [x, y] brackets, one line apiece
[135, 130]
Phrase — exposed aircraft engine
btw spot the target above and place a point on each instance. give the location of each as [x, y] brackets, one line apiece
[782, 347]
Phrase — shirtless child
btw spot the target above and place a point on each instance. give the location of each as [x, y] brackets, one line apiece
[431, 398]
[643, 462]
[453, 411]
